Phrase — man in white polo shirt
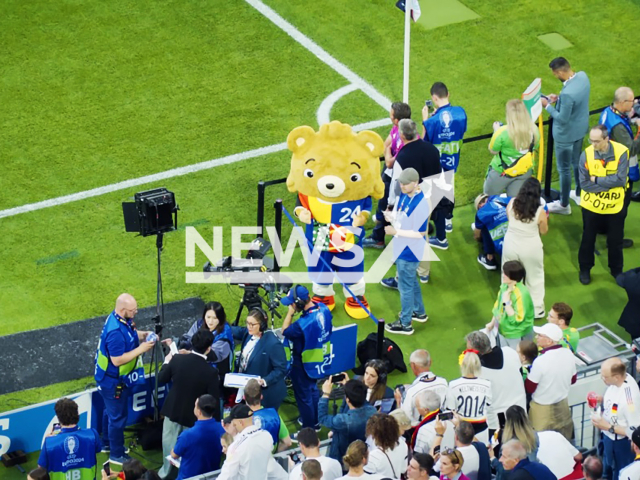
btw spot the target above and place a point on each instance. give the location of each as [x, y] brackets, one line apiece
[632, 471]
[420, 363]
[551, 377]
[620, 413]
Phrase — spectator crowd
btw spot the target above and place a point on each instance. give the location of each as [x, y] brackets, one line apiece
[506, 416]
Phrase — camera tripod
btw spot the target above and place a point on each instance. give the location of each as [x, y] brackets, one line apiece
[252, 299]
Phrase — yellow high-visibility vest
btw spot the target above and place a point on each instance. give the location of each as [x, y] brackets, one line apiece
[612, 200]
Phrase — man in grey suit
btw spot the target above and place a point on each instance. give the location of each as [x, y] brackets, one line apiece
[570, 125]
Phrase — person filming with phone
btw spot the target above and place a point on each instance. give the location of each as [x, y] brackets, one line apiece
[69, 451]
[348, 426]
[310, 342]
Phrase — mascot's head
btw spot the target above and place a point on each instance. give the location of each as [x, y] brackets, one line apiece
[335, 164]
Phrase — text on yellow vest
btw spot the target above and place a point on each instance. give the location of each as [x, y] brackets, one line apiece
[612, 200]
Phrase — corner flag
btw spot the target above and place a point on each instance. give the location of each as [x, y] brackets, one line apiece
[415, 8]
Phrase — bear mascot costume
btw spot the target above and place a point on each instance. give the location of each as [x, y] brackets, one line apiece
[336, 172]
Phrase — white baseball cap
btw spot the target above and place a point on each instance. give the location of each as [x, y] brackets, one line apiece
[551, 330]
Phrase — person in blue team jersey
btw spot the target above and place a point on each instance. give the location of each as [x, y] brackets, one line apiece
[490, 227]
[309, 341]
[118, 369]
[71, 452]
[266, 418]
[199, 447]
[444, 128]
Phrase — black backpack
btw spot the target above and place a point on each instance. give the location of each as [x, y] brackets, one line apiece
[391, 354]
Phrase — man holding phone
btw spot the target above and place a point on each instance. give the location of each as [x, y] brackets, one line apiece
[70, 452]
[350, 425]
[118, 368]
[570, 124]
[309, 340]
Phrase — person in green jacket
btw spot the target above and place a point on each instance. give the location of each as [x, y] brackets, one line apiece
[513, 311]
[511, 144]
[561, 315]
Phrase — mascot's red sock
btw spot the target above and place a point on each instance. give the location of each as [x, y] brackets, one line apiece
[329, 301]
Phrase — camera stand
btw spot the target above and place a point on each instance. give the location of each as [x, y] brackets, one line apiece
[156, 354]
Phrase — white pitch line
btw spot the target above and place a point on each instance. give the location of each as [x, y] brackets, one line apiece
[324, 110]
[322, 54]
[174, 172]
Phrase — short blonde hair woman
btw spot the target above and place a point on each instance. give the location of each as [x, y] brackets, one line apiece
[451, 462]
[472, 395]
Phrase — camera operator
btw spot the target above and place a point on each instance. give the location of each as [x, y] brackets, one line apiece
[310, 342]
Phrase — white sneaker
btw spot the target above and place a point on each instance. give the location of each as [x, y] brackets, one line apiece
[574, 197]
[556, 207]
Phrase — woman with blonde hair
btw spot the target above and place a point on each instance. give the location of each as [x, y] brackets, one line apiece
[355, 459]
[471, 396]
[451, 462]
[404, 422]
[517, 426]
[512, 147]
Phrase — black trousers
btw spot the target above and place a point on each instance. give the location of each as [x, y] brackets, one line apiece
[613, 225]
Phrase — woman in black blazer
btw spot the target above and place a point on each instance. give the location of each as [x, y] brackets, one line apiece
[262, 353]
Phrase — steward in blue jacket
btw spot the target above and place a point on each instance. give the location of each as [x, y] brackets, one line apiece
[310, 352]
[118, 368]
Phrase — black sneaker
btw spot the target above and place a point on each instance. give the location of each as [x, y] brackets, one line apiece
[420, 318]
[398, 327]
[627, 243]
[369, 242]
[486, 263]
[317, 428]
[585, 277]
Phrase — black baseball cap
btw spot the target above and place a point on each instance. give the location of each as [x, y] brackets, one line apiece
[239, 412]
[635, 437]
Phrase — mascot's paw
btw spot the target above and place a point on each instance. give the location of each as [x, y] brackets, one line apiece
[353, 308]
[329, 301]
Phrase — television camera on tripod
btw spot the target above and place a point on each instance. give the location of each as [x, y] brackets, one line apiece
[255, 261]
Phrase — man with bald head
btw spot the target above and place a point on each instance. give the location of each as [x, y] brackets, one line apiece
[118, 368]
[616, 119]
[592, 468]
[620, 409]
